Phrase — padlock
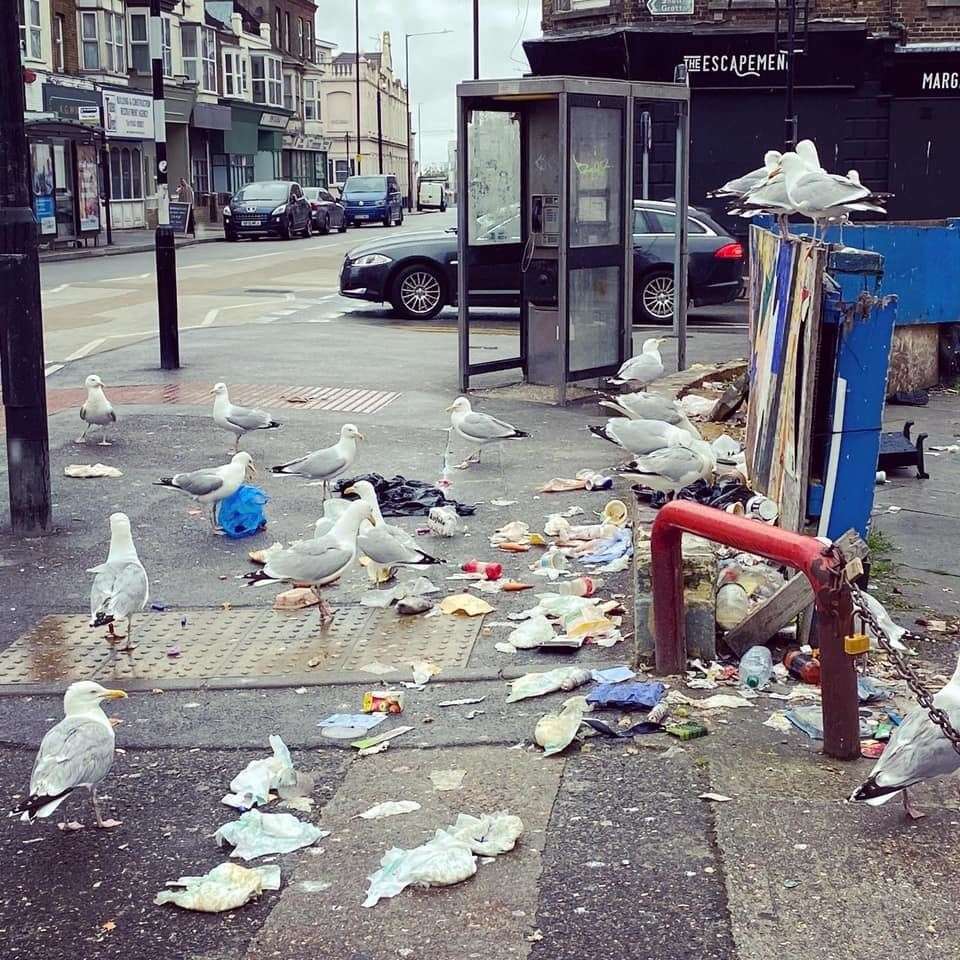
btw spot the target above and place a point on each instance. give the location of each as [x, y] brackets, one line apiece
[856, 644]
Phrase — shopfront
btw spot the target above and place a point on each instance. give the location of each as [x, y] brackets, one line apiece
[267, 162]
[304, 159]
[65, 180]
[179, 103]
[128, 129]
[233, 165]
[208, 125]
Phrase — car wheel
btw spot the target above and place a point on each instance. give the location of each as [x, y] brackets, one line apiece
[230, 236]
[285, 233]
[343, 226]
[400, 220]
[418, 292]
[443, 208]
[655, 298]
[387, 219]
[308, 229]
[323, 225]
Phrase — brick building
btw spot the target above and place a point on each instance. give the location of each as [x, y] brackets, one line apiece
[877, 84]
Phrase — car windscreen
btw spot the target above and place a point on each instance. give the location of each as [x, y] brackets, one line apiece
[365, 185]
[274, 192]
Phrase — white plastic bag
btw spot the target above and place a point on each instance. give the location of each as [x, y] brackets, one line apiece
[257, 834]
[555, 731]
[531, 633]
[251, 786]
[537, 684]
[225, 887]
[489, 835]
[389, 808]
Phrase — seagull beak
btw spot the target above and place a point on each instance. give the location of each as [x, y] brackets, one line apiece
[360, 436]
[349, 490]
[212, 392]
[113, 695]
[449, 409]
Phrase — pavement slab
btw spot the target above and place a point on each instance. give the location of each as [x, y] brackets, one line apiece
[487, 917]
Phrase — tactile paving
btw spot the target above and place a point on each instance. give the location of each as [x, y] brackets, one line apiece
[244, 643]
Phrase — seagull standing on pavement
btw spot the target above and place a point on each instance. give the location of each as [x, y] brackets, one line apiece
[213, 485]
[77, 752]
[479, 428]
[917, 751]
[96, 410]
[326, 464]
[645, 367]
[121, 587]
[238, 420]
[319, 561]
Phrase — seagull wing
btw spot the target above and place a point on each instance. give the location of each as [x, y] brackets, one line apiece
[641, 436]
[247, 418]
[311, 561]
[481, 426]
[76, 752]
[198, 483]
[319, 465]
[382, 548]
[118, 590]
[821, 192]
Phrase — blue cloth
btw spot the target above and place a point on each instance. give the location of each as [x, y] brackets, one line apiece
[617, 546]
[627, 696]
[242, 515]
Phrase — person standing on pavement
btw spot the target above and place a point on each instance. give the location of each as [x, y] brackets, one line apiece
[185, 194]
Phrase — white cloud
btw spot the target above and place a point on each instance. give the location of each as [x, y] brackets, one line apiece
[438, 63]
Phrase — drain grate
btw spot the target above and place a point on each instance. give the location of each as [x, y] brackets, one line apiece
[243, 643]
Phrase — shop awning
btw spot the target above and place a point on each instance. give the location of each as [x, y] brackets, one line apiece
[211, 116]
[178, 103]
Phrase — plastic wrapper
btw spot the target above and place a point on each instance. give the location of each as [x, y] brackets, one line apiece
[531, 633]
[389, 808]
[555, 731]
[258, 834]
[627, 696]
[466, 604]
[538, 684]
[251, 787]
[225, 887]
[242, 514]
[489, 835]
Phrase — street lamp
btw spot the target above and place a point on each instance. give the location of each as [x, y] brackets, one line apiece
[406, 56]
[356, 24]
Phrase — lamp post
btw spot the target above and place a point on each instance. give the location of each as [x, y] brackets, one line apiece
[356, 25]
[406, 60]
[476, 39]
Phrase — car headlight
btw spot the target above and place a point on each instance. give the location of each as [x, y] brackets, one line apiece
[371, 260]
[226, 211]
[278, 210]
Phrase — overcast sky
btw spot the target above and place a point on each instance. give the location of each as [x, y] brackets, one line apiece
[437, 64]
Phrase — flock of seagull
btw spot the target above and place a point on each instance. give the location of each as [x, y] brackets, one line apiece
[795, 183]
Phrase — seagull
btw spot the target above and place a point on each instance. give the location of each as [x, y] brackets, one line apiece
[822, 196]
[96, 410]
[120, 588]
[917, 751]
[672, 468]
[215, 484]
[650, 406]
[645, 367]
[319, 561]
[238, 420]
[386, 544]
[479, 428]
[77, 752]
[326, 464]
[638, 437]
[741, 186]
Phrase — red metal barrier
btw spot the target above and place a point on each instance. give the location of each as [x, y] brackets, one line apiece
[823, 567]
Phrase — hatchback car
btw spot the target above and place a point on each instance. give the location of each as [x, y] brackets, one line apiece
[373, 199]
[268, 207]
[328, 212]
[417, 273]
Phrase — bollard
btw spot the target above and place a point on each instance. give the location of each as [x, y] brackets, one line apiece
[167, 298]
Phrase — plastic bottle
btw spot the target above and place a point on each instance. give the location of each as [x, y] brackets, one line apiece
[756, 668]
[492, 571]
[580, 587]
[802, 665]
[733, 605]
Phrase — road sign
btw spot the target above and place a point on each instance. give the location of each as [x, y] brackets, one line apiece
[670, 8]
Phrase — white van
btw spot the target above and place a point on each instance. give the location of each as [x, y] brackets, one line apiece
[432, 195]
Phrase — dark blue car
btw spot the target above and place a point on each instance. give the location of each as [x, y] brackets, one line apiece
[268, 208]
[372, 199]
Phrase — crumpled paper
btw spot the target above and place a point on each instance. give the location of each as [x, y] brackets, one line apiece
[251, 787]
[389, 808]
[555, 731]
[225, 887]
[258, 834]
[91, 471]
[466, 604]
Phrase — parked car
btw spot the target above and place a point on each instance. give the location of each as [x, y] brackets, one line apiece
[373, 199]
[417, 273]
[268, 207]
[328, 212]
[432, 195]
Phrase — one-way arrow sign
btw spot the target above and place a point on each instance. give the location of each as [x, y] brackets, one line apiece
[670, 8]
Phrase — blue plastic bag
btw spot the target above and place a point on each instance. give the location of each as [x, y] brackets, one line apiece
[242, 515]
[627, 696]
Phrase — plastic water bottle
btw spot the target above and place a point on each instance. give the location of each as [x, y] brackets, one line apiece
[756, 668]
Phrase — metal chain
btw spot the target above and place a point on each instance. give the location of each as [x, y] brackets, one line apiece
[916, 685]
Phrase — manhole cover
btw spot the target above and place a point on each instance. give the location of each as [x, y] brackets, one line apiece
[243, 643]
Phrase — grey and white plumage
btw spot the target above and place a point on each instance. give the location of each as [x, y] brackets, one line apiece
[643, 368]
[823, 196]
[121, 587]
[319, 561]
[96, 410]
[215, 484]
[917, 751]
[328, 463]
[480, 428]
[238, 420]
[638, 437]
[674, 467]
[650, 406]
[77, 752]
[741, 186]
[364, 489]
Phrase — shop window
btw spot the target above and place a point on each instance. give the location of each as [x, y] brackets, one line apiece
[58, 27]
[139, 43]
[31, 35]
[113, 43]
[311, 100]
[126, 174]
[342, 169]
[89, 41]
[199, 46]
[201, 174]
[267, 75]
[241, 171]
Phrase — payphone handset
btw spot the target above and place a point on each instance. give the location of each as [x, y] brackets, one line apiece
[545, 220]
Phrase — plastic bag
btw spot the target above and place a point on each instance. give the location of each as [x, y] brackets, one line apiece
[627, 696]
[257, 834]
[225, 887]
[389, 808]
[251, 786]
[555, 731]
[242, 514]
[537, 684]
[489, 835]
[531, 633]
